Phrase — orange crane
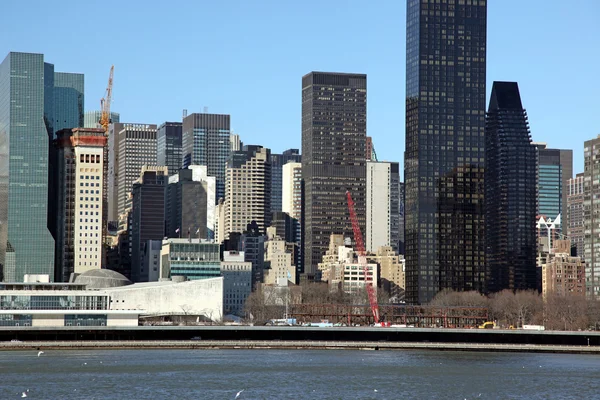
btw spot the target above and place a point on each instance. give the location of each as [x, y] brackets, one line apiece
[105, 102]
[362, 259]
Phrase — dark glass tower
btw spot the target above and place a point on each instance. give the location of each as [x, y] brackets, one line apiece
[510, 193]
[168, 146]
[445, 144]
[334, 129]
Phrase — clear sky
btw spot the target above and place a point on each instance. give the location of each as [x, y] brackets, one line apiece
[246, 58]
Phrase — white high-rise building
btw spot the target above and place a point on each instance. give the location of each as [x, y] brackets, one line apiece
[382, 204]
[292, 190]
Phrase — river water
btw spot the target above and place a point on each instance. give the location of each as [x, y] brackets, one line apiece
[296, 374]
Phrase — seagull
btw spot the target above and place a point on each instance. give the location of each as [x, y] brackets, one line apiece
[23, 394]
[238, 394]
[40, 353]
[375, 390]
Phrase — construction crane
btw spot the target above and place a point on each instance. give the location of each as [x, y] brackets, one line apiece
[362, 259]
[105, 102]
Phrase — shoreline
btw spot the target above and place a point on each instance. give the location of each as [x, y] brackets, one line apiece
[294, 345]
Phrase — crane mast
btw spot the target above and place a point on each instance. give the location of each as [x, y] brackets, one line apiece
[362, 259]
[105, 102]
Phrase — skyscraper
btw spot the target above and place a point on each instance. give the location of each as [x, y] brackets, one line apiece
[445, 143]
[555, 168]
[334, 128]
[510, 193]
[383, 195]
[206, 141]
[575, 200]
[79, 185]
[248, 189]
[92, 118]
[291, 189]
[34, 102]
[186, 206]
[277, 163]
[591, 216]
[168, 146]
[134, 147]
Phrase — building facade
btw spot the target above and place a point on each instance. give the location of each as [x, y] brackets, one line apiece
[591, 216]
[237, 282]
[206, 141]
[248, 189]
[445, 145]
[135, 147]
[277, 163]
[194, 259]
[91, 119]
[292, 189]
[147, 216]
[186, 206]
[555, 168]
[563, 275]
[383, 196]
[79, 194]
[334, 129]
[168, 146]
[35, 101]
[575, 201]
[510, 193]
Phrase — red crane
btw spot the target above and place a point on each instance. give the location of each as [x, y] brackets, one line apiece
[362, 259]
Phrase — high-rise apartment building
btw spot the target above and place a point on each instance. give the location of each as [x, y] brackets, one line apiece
[575, 201]
[168, 146]
[148, 216]
[134, 147]
[91, 119]
[383, 179]
[35, 101]
[236, 143]
[334, 128]
[445, 144]
[79, 185]
[591, 216]
[555, 168]
[206, 141]
[510, 193]
[369, 149]
[277, 163]
[248, 189]
[291, 193]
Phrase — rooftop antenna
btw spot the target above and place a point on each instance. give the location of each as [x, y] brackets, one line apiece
[205, 110]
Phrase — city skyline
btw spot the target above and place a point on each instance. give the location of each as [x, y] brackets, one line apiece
[544, 39]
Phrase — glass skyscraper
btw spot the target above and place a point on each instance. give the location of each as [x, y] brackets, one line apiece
[445, 145]
[168, 146]
[206, 141]
[34, 103]
[555, 168]
[510, 193]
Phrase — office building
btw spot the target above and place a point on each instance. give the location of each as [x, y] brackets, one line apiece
[591, 216]
[445, 145]
[194, 259]
[147, 216]
[334, 129]
[79, 189]
[383, 196]
[248, 189]
[277, 163]
[237, 282]
[236, 143]
[252, 243]
[91, 119]
[168, 146]
[555, 168]
[397, 231]
[292, 189]
[391, 271]
[279, 265]
[575, 200]
[206, 141]
[35, 101]
[510, 193]
[186, 206]
[134, 146]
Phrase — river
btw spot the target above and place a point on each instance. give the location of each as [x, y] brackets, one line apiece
[296, 374]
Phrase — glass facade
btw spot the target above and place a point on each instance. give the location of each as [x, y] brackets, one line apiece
[206, 141]
[15, 319]
[194, 260]
[591, 216]
[53, 302]
[334, 130]
[445, 144]
[510, 193]
[27, 116]
[92, 118]
[168, 146]
[85, 320]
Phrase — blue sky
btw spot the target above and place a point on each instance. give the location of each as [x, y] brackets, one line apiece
[246, 58]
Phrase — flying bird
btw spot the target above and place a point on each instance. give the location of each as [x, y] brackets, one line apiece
[239, 393]
[40, 353]
[23, 394]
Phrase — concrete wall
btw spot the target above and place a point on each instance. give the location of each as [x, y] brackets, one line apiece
[201, 297]
[47, 320]
[122, 320]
